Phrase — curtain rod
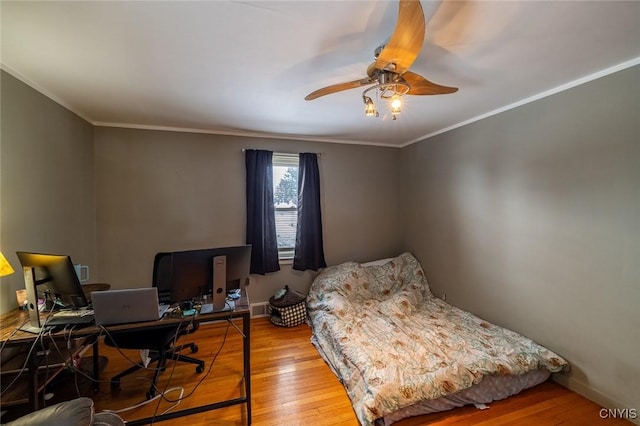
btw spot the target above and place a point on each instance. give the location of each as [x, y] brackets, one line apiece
[284, 152]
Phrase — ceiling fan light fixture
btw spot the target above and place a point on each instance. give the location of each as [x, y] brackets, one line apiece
[391, 92]
[369, 107]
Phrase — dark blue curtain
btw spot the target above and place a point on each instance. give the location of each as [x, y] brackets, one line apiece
[261, 220]
[309, 252]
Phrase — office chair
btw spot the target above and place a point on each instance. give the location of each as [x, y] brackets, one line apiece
[163, 279]
[160, 342]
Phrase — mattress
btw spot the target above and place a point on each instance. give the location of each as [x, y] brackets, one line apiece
[398, 350]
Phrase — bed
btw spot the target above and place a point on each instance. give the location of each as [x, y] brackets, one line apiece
[399, 351]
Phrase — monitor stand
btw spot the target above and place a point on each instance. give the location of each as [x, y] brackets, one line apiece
[30, 329]
[34, 325]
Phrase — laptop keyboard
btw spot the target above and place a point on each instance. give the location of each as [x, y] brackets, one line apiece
[73, 314]
[162, 309]
[79, 317]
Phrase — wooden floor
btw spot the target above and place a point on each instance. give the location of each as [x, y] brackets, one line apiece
[293, 386]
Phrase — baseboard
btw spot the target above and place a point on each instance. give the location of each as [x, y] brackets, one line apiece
[627, 412]
[259, 310]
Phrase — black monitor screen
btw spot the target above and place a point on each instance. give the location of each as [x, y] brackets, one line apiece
[188, 274]
[55, 274]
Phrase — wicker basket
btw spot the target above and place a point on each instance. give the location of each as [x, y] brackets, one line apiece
[289, 310]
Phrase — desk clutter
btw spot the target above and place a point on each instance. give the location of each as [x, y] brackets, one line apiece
[287, 308]
[110, 307]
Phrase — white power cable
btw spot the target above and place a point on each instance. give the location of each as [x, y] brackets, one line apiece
[143, 403]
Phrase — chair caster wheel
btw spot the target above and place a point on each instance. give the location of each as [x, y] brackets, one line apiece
[199, 369]
[194, 349]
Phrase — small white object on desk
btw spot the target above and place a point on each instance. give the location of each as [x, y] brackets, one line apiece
[207, 308]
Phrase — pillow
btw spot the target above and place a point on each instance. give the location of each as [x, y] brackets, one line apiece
[378, 262]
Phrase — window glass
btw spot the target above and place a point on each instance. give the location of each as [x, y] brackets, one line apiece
[285, 198]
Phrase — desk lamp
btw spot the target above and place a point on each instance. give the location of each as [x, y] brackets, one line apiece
[5, 266]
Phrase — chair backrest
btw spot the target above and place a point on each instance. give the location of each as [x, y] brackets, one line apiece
[162, 264]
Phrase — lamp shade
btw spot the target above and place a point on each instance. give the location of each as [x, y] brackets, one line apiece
[5, 266]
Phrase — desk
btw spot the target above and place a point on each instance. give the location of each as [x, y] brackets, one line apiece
[10, 320]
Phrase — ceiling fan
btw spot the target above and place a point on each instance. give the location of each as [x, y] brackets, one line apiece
[389, 74]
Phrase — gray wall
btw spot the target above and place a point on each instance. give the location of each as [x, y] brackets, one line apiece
[531, 219]
[167, 191]
[47, 194]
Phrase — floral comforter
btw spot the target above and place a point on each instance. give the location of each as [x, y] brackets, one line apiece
[392, 343]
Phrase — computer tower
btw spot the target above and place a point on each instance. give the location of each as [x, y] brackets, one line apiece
[219, 282]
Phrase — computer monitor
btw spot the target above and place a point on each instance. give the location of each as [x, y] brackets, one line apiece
[53, 275]
[194, 273]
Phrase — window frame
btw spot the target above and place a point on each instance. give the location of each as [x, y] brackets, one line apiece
[279, 159]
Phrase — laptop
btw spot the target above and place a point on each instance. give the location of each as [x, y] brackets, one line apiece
[125, 306]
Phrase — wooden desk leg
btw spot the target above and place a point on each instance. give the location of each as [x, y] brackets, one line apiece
[34, 400]
[96, 366]
[246, 349]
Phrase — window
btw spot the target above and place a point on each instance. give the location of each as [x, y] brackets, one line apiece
[285, 200]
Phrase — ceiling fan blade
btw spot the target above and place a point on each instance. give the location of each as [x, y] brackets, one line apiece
[339, 88]
[407, 38]
[421, 86]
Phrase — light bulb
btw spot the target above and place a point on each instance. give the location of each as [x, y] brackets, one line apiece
[369, 107]
[396, 104]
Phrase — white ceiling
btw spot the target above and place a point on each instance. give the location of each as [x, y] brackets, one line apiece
[244, 67]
